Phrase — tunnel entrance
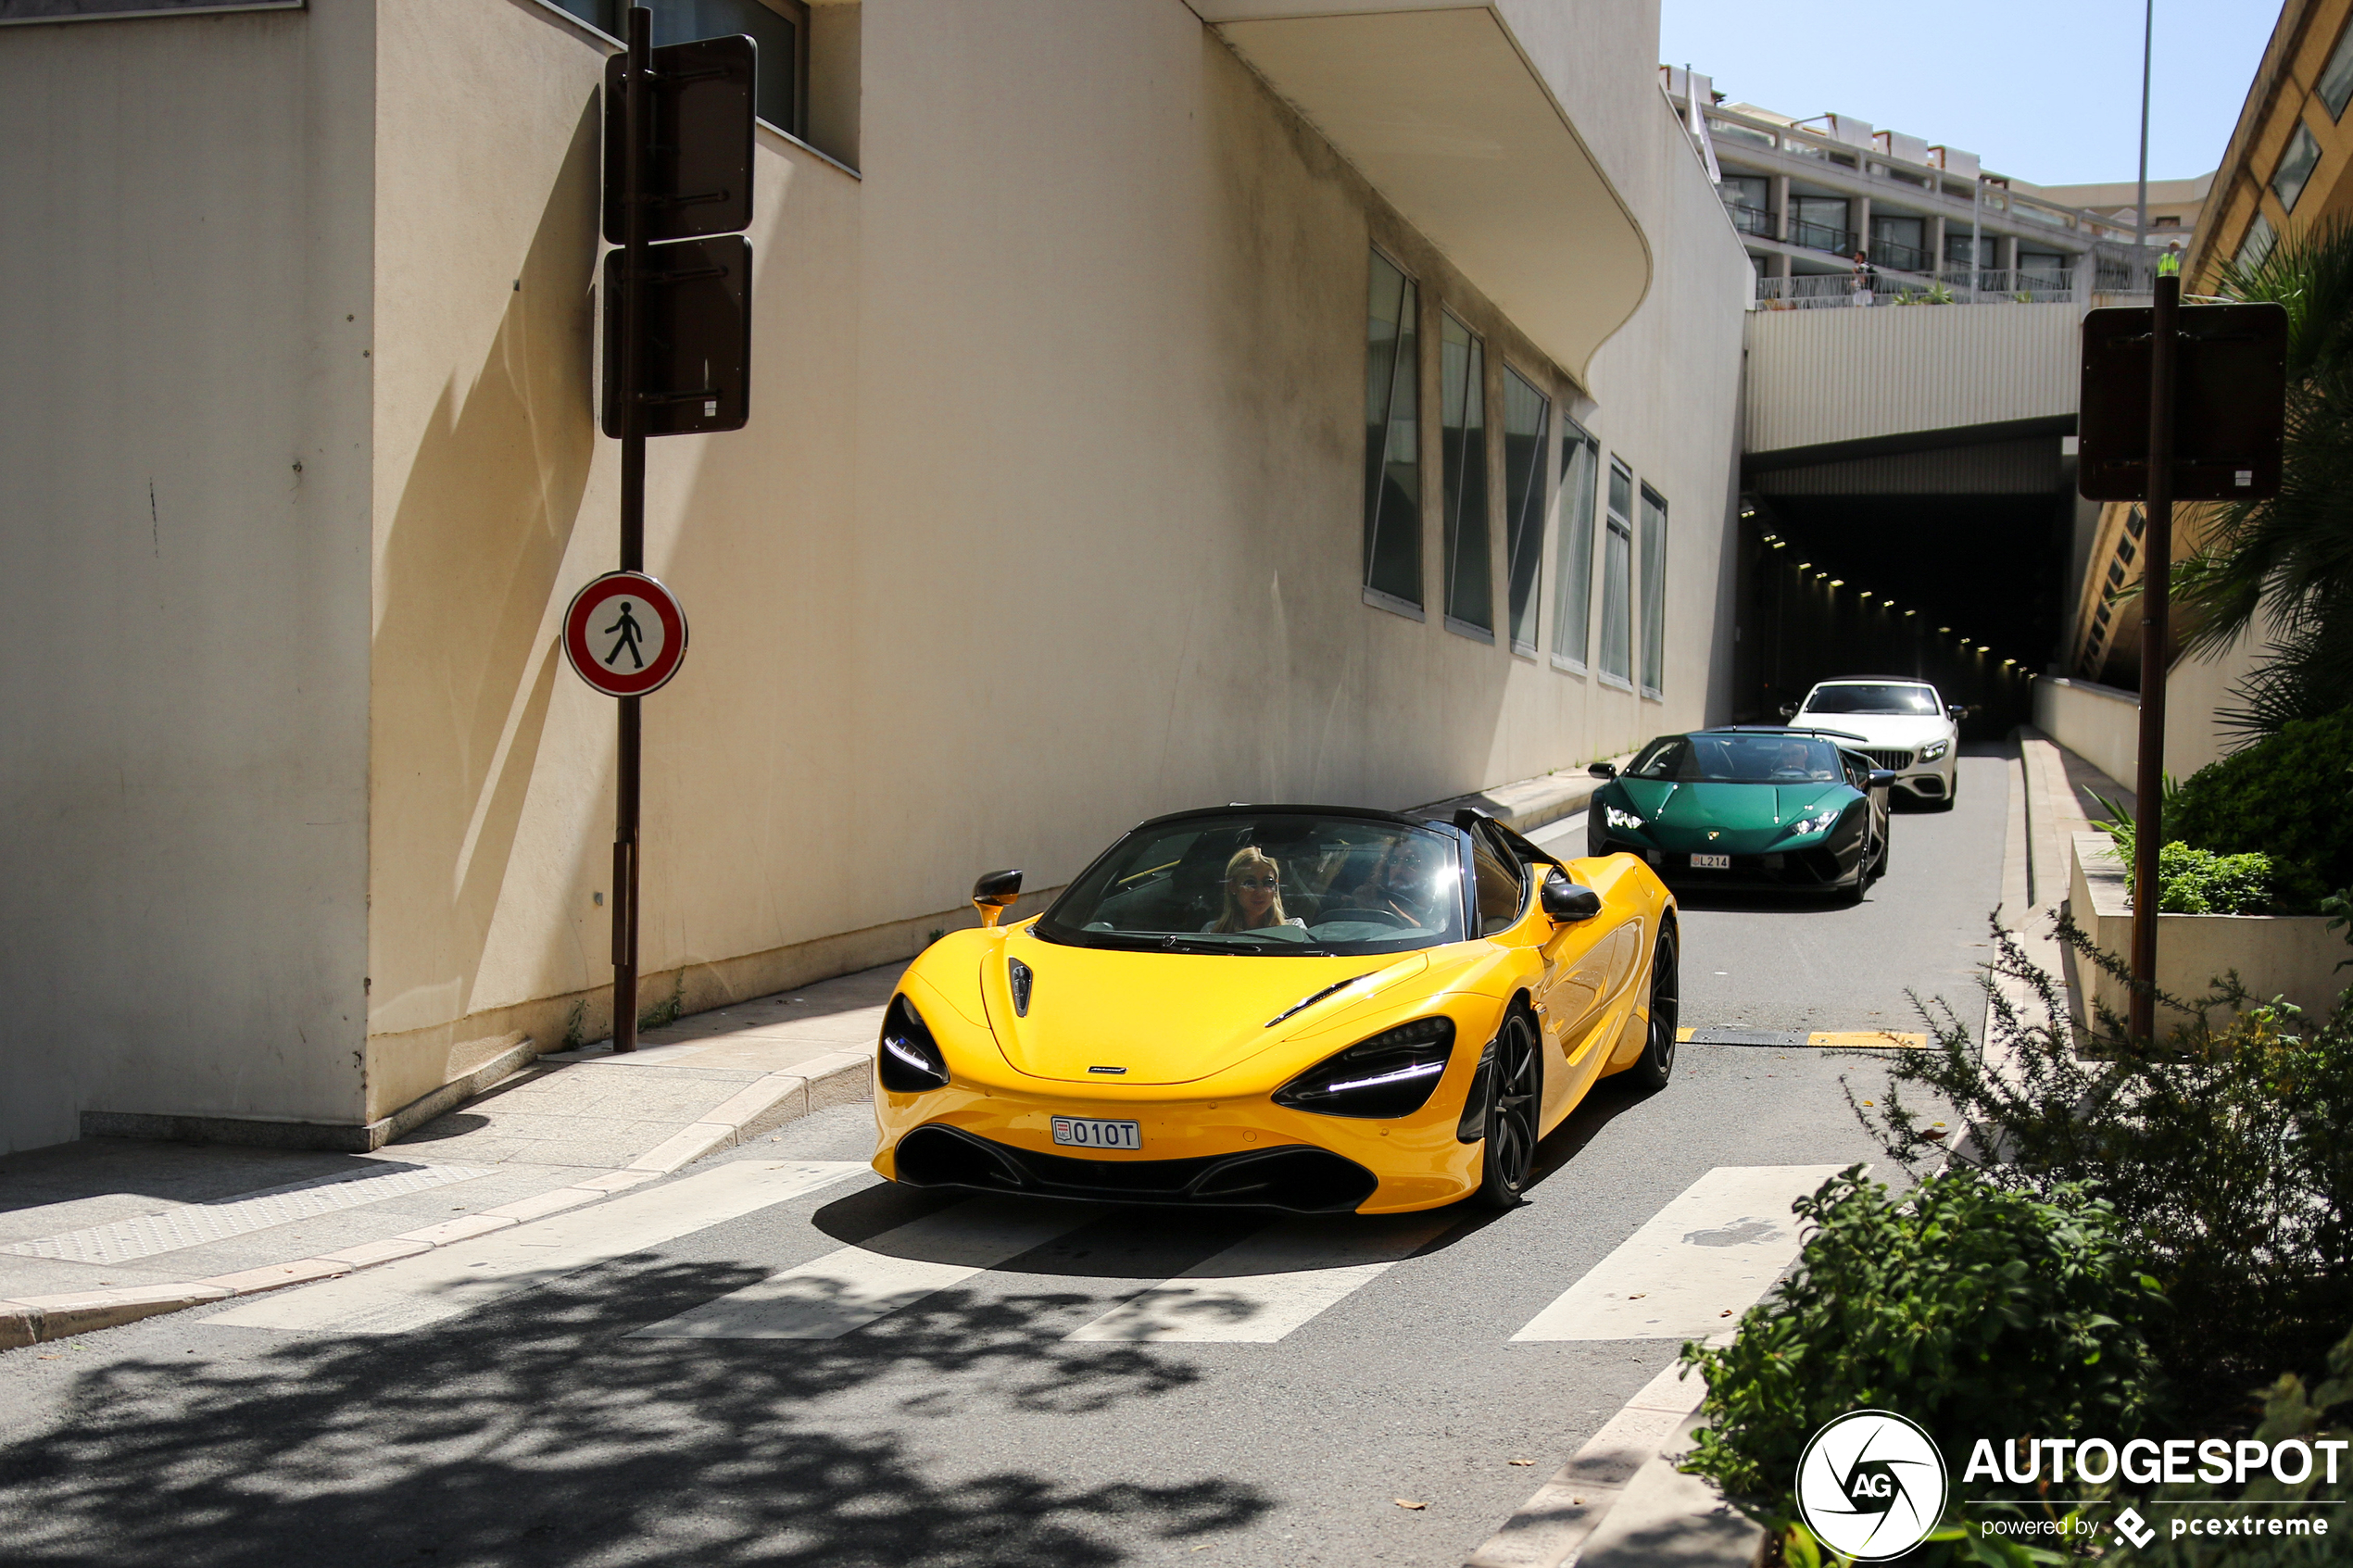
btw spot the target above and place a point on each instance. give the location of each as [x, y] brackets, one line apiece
[1950, 566]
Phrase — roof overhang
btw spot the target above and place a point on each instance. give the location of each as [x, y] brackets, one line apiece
[1439, 108]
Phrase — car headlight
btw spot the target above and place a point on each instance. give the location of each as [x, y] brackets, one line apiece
[1391, 1074]
[1815, 823]
[1935, 749]
[907, 1061]
[1618, 818]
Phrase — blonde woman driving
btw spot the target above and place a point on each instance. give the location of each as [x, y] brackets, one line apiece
[1254, 893]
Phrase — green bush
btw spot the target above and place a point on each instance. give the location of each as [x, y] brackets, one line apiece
[2199, 882]
[1968, 1309]
[2286, 796]
[2225, 1149]
[2290, 1412]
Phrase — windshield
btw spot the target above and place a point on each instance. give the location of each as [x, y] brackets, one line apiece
[1730, 759]
[1278, 884]
[1861, 698]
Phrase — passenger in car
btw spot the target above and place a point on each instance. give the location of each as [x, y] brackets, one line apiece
[1254, 893]
[1405, 884]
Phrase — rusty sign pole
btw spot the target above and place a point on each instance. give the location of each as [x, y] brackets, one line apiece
[635, 115]
[2157, 563]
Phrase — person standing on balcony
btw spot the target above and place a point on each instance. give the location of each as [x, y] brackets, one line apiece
[1862, 278]
[2169, 264]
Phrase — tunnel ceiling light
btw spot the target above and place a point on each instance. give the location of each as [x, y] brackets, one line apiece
[1806, 566]
[1910, 613]
[1944, 630]
[1838, 582]
[1781, 543]
[1982, 648]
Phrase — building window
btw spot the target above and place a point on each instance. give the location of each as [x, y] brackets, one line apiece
[1392, 439]
[779, 27]
[2255, 245]
[1462, 416]
[1957, 249]
[2296, 165]
[1528, 439]
[1821, 224]
[1654, 591]
[1618, 565]
[1573, 574]
[2336, 78]
[2041, 270]
[1900, 242]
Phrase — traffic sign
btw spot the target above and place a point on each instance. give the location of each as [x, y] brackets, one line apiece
[625, 633]
[2229, 394]
[699, 139]
[694, 351]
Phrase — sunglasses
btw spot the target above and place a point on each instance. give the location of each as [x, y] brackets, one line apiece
[1254, 882]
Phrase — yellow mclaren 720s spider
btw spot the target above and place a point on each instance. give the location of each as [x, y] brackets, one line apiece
[1307, 1007]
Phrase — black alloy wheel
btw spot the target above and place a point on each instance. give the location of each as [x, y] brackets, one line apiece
[1508, 1159]
[1656, 1063]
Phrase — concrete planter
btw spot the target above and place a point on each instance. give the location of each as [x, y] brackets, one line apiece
[2290, 956]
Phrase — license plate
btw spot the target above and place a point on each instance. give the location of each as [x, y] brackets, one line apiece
[1085, 1131]
[1711, 863]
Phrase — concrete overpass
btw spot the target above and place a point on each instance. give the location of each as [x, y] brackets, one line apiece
[1920, 461]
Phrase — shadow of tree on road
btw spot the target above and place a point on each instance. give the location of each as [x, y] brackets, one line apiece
[531, 1432]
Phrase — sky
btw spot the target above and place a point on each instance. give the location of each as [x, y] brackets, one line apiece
[2048, 94]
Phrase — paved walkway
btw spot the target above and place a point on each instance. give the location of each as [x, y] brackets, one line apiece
[108, 1230]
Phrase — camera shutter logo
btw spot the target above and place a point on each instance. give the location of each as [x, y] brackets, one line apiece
[1870, 1485]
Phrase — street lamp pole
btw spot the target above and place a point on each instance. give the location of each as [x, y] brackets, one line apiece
[2141, 201]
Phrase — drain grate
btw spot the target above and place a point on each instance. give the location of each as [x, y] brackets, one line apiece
[193, 1225]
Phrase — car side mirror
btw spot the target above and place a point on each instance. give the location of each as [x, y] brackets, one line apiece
[1789, 711]
[1564, 900]
[1603, 770]
[1958, 711]
[994, 894]
[1882, 778]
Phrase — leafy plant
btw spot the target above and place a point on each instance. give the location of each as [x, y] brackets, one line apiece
[2225, 1149]
[665, 1012]
[2290, 1411]
[1967, 1307]
[2285, 797]
[2192, 881]
[2287, 561]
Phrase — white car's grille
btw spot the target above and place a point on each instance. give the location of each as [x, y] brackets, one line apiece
[1896, 761]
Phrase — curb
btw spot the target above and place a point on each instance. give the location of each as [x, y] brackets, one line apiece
[1553, 1526]
[762, 1106]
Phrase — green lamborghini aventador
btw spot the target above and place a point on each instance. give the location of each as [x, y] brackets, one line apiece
[1747, 807]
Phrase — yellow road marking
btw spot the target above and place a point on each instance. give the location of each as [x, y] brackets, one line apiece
[1842, 1039]
[1868, 1040]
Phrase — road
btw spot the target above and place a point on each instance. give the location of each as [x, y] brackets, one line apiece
[860, 1374]
[1758, 961]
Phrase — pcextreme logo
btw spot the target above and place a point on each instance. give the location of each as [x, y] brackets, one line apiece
[1870, 1485]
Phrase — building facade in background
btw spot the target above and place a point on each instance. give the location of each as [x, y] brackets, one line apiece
[1152, 405]
[2284, 174]
[1807, 194]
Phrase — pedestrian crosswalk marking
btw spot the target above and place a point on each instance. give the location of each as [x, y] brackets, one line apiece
[418, 1291]
[1716, 1249]
[847, 1290]
[1270, 1282]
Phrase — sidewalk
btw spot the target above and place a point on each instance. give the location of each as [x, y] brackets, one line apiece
[109, 1230]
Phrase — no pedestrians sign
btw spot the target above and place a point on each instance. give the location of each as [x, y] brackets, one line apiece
[626, 635]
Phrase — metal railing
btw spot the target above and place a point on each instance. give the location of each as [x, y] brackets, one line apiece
[1900, 257]
[1813, 291]
[1822, 236]
[1751, 220]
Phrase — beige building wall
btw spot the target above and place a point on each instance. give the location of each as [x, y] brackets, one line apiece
[1047, 517]
[184, 383]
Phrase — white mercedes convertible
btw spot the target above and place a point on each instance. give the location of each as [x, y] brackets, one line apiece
[1905, 726]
